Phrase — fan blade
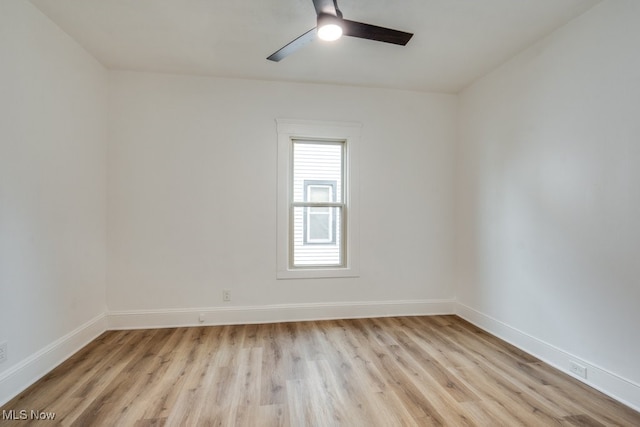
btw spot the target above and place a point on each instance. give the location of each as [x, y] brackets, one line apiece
[304, 39]
[373, 32]
[325, 6]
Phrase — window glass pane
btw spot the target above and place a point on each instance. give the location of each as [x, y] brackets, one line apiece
[317, 161]
[322, 246]
[319, 227]
[317, 193]
[318, 210]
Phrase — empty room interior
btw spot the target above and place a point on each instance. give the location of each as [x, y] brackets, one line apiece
[210, 216]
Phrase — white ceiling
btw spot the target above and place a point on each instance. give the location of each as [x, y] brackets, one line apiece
[455, 41]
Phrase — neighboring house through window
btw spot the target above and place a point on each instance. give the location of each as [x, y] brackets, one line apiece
[319, 221]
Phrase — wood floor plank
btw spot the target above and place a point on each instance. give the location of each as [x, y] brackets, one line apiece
[433, 368]
[273, 381]
[496, 363]
[404, 371]
[365, 388]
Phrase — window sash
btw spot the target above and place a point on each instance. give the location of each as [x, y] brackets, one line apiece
[340, 192]
[340, 223]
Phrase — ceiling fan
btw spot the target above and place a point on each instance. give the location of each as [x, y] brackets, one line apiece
[331, 26]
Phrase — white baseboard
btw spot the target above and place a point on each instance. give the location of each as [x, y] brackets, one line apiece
[618, 388]
[143, 319]
[22, 375]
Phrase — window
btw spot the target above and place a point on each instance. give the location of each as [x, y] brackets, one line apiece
[319, 221]
[317, 203]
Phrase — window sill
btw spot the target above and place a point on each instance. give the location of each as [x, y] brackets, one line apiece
[317, 273]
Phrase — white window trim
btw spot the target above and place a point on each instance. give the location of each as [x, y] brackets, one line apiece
[349, 132]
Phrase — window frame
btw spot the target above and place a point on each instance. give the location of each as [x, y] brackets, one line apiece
[347, 133]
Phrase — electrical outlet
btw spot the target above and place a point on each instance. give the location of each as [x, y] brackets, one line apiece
[3, 351]
[577, 369]
[201, 318]
[226, 295]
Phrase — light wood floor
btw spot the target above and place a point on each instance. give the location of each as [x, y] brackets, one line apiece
[375, 372]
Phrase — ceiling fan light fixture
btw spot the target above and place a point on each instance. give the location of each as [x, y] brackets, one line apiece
[329, 27]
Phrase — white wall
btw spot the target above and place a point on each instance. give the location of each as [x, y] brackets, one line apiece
[52, 193]
[548, 194]
[192, 192]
